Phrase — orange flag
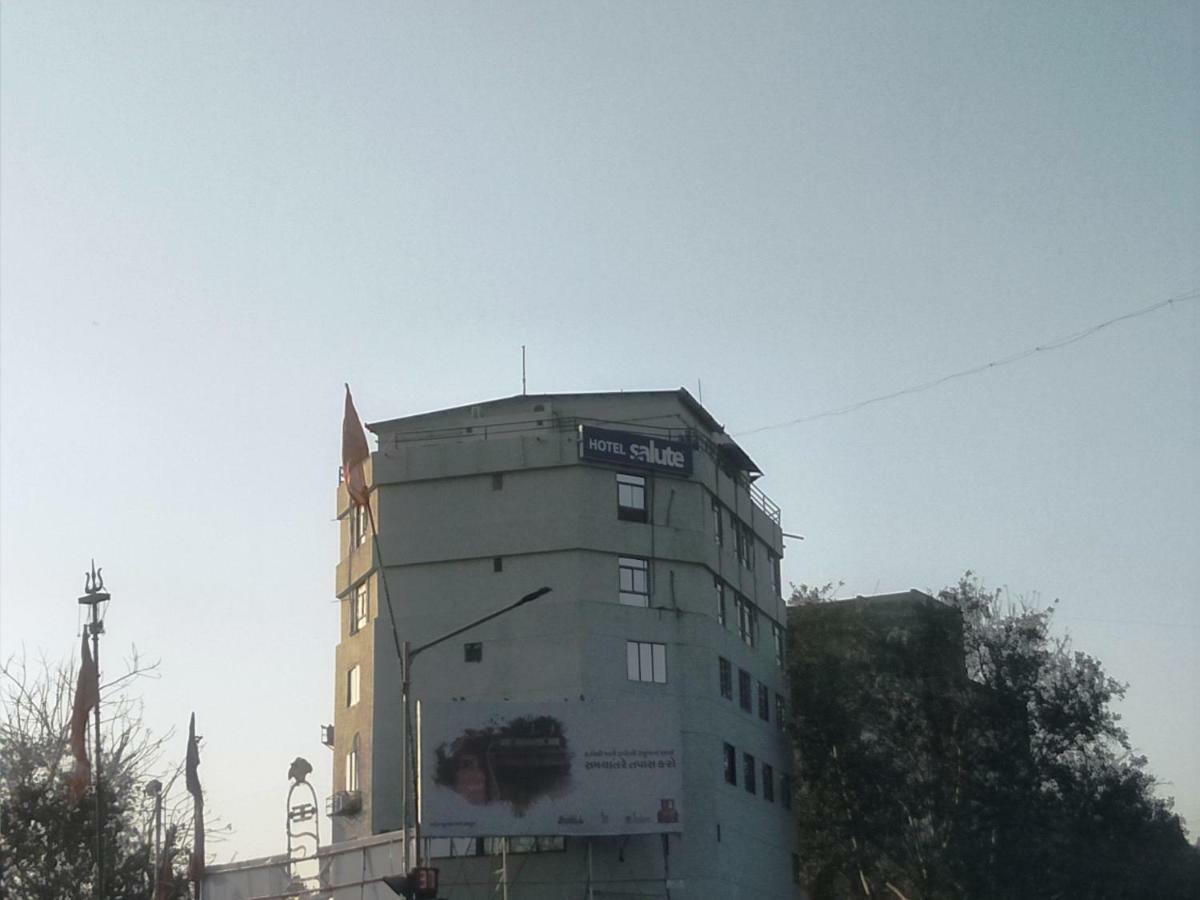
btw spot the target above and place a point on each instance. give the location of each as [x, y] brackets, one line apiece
[87, 695]
[355, 452]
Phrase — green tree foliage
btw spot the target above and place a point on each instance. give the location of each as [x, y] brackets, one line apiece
[47, 843]
[958, 750]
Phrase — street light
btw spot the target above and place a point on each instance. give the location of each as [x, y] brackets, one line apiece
[154, 789]
[408, 654]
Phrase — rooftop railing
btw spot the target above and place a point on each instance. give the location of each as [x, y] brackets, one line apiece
[484, 432]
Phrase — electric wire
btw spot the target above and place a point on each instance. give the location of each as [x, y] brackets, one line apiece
[1055, 344]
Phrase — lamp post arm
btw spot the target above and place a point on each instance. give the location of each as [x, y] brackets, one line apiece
[456, 632]
[407, 655]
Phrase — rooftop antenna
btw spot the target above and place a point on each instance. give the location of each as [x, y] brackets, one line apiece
[700, 391]
[522, 370]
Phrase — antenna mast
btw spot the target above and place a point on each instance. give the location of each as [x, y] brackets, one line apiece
[522, 370]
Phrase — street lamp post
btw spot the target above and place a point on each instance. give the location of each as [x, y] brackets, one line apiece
[408, 654]
[154, 789]
[93, 595]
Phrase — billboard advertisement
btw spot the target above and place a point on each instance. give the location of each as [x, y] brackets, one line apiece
[584, 768]
[626, 448]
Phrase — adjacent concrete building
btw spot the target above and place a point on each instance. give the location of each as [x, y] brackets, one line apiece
[642, 515]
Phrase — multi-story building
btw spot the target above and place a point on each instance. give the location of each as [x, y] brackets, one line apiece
[642, 515]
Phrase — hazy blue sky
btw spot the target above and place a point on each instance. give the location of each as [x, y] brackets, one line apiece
[211, 215]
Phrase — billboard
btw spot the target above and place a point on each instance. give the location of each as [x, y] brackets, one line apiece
[627, 448]
[583, 768]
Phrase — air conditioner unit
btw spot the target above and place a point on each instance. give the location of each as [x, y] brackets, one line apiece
[343, 803]
[327, 735]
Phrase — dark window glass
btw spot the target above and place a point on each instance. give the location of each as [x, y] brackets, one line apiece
[359, 608]
[780, 711]
[631, 497]
[785, 790]
[747, 620]
[748, 773]
[764, 702]
[730, 764]
[745, 691]
[473, 652]
[497, 563]
[498, 481]
[359, 526]
[726, 677]
[768, 778]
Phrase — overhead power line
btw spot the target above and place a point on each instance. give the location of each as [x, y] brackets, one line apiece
[1056, 344]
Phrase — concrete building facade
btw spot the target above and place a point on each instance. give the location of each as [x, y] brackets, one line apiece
[665, 587]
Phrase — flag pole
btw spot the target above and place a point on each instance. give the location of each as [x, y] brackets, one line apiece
[96, 627]
[356, 452]
[93, 595]
[192, 781]
[401, 655]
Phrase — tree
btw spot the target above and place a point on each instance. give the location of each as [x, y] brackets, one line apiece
[1060, 805]
[47, 843]
[875, 695]
[956, 749]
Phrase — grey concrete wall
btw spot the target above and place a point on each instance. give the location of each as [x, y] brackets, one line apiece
[553, 521]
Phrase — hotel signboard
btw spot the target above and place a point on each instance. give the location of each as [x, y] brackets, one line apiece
[586, 768]
[628, 448]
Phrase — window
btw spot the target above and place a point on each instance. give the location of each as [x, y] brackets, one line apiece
[352, 766]
[473, 652]
[718, 522]
[719, 587]
[768, 779]
[764, 702]
[796, 868]
[744, 690]
[497, 481]
[634, 576]
[497, 563]
[730, 764]
[631, 497]
[353, 685]
[726, 671]
[777, 636]
[359, 607]
[359, 526]
[780, 711]
[747, 620]
[776, 575]
[748, 773]
[785, 790]
[646, 662]
[744, 542]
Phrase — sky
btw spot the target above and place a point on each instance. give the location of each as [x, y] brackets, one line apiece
[214, 214]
